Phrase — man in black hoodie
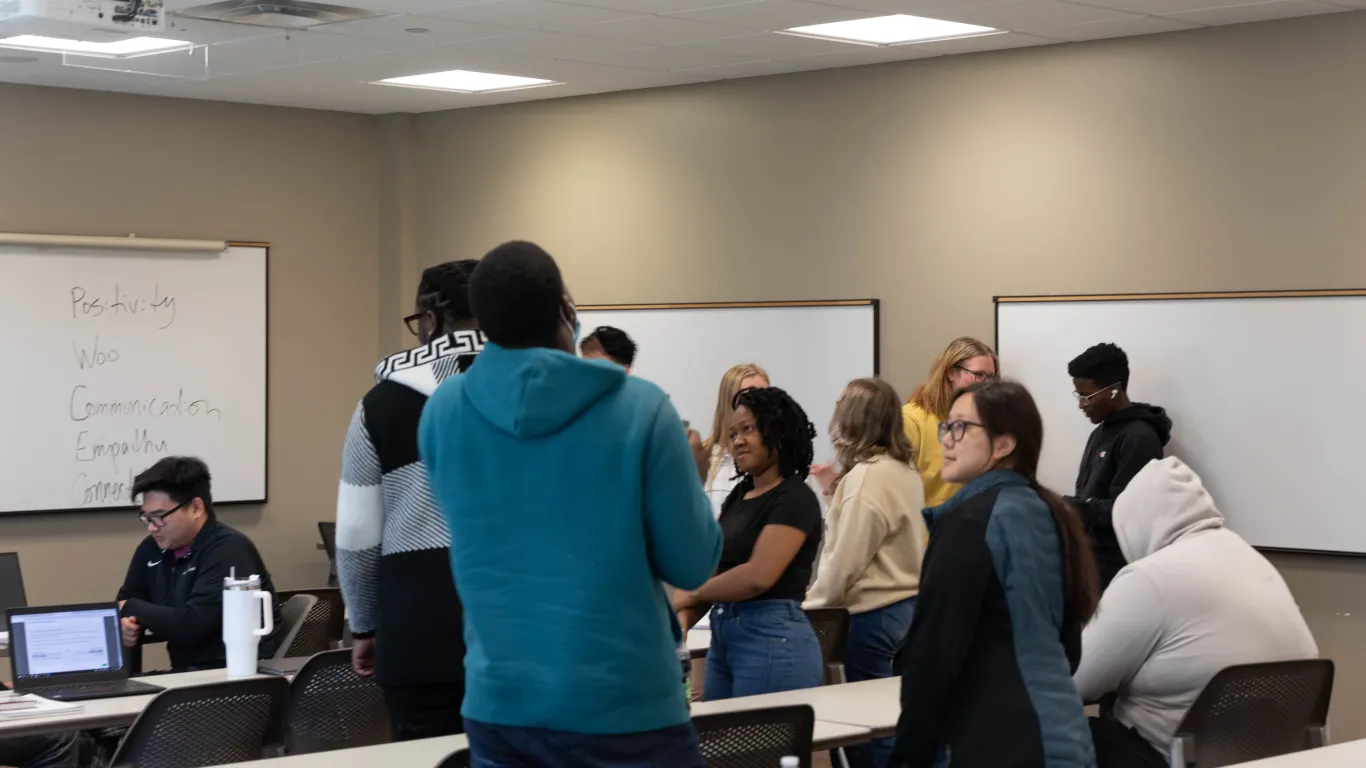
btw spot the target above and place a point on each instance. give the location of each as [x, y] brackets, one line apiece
[1129, 436]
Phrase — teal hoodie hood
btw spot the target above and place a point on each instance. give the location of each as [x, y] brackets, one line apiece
[536, 392]
[571, 497]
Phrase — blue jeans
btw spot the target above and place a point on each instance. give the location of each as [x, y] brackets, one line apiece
[874, 638]
[763, 646]
[506, 746]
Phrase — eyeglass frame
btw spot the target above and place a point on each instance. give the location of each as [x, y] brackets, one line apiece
[158, 519]
[413, 322]
[976, 375]
[959, 426]
[1086, 399]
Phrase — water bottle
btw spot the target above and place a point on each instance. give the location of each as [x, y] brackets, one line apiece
[685, 660]
[244, 606]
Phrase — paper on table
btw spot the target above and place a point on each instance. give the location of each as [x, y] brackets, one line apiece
[43, 706]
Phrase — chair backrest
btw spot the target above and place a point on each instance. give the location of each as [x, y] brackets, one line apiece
[202, 725]
[460, 758]
[328, 532]
[832, 630]
[293, 616]
[11, 582]
[1255, 711]
[330, 610]
[756, 738]
[332, 707]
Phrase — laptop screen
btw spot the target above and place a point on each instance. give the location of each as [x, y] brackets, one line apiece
[65, 641]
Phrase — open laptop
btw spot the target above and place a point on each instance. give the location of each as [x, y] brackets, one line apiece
[70, 653]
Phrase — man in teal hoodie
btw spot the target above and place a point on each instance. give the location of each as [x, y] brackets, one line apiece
[572, 497]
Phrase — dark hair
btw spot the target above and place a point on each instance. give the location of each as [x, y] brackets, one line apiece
[614, 342]
[1105, 364]
[445, 290]
[183, 478]
[516, 293]
[1006, 408]
[783, 426]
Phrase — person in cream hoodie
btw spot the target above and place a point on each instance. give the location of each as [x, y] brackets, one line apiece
[1195, 598]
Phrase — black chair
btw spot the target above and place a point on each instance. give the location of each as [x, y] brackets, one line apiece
[460, 758]
[757, 738]
[203, 725]
[331, 707]
[301, 638]
[832, 630]
[11, 583]
[1255, 711]
[329, 613]
[328, 532]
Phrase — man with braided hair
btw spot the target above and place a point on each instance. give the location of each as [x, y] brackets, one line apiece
[393, 547]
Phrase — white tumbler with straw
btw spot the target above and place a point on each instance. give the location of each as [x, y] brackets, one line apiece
[248, 616]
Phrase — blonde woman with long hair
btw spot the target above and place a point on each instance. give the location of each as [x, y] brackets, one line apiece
[965, 362]
[722, 476]
[875, 537]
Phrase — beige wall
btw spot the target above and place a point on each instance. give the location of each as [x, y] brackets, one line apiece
[1230, 158]
[306, 182]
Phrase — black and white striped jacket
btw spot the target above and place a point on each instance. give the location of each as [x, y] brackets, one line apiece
[393, 547]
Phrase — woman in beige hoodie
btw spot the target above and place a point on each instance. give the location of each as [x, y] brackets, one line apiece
[875, 536]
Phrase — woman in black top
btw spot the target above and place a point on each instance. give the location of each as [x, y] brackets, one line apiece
[761, 642]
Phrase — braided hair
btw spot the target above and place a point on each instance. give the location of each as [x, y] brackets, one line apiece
[784, 427]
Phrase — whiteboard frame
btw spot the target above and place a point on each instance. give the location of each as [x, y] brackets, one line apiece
[1322, 293]
[876, 304]
[265, 451]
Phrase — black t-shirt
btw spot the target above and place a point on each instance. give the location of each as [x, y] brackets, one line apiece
[791, 503]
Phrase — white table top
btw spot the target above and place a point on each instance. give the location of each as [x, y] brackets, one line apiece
[1350, 754]
[874, 704]
[426, 753]
[699, 640]
[106, 713]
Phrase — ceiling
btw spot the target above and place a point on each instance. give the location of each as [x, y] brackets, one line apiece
[591, 46]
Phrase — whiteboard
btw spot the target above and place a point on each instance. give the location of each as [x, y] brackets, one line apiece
[115, 359]
[810, 349]
[1259, 391]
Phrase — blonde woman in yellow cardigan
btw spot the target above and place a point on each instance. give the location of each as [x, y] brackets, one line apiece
[966, 361]
[875, 537]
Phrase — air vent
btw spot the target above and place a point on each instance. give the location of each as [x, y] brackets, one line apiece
[283, 14]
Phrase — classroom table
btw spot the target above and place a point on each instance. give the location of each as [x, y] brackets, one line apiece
[872, 704]
[426, 753]
[699, 640]
[106, 713]
[1349, 754]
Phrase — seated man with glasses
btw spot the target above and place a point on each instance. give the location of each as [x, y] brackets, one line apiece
[1128, 436]
[174, 586]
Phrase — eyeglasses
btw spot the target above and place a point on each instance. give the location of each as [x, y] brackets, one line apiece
[414, 323]
[976, 375]
[158, 519]
[1086, 399]
[956, 428]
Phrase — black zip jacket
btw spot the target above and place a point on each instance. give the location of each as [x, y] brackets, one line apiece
[181, 601]
[1118, 448]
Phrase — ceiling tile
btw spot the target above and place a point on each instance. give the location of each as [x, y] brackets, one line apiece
[855, 56]
[771, 15]
[657, 30]
[281, 50]
[986, 43]
[1159, 7]
[653, 6]
[532, 14]
[1137, 25]
[438, 30]
[1278, 9]
[677, 57]
[397, 6]
[1030, 15]
[930, 8]
[547, 45]
[206, 32]
[769, 45]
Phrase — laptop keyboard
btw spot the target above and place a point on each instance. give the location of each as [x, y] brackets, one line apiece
[106, 689]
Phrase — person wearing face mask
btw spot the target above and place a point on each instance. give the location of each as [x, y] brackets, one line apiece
[1007, 584]
[572, 493]
[393, 549]
[761, 642]
[1127, 436]
[964, 362]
